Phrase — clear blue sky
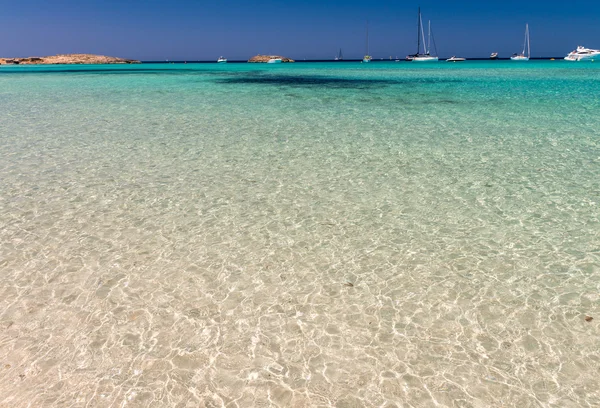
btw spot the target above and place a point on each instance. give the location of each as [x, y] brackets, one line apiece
[311, 29]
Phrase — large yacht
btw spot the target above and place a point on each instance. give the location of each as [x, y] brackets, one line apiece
[583, 54]
[426, 55]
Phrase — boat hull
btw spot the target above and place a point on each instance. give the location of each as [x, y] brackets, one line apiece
[425, 59]
[582, 57]
[274, 61]
[519, 58]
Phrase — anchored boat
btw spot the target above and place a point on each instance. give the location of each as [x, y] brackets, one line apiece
[367, 57]
[526, 46]
[426, 55]
[583, 54]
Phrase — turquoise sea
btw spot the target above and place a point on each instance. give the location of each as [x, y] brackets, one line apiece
[300, 235]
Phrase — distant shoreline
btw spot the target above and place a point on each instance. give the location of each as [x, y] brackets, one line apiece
[340, 61]
[67, 59]
[90, 59]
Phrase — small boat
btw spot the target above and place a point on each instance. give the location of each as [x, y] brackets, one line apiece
[222, 60]
[494, 55]
[583, 54]
[426, 55]
[526, 46]
[455, 59]
[274, 61]
[367, 57]
[339, 57]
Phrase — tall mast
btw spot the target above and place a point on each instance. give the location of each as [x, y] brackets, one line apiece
[367, 38]
[528, 41]
[419, 31]
[428, 37]
[422, 33]
[525, 40]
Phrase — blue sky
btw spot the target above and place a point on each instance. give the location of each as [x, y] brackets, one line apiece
[311, 29]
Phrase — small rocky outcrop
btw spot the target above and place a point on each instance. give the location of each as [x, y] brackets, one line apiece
[266, 58]
[67, 59]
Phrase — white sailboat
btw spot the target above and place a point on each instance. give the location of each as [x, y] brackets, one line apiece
[340, 56]
[526, 46]
[426, 55]
[367, 57]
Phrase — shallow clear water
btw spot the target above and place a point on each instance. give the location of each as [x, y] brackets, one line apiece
[300, 235]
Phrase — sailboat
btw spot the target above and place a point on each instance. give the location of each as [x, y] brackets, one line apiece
[426, 55]
[339, 57]
[367, 57]
[526, 46]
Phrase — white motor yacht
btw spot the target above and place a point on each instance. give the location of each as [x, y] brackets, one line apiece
[275, 61]
[455, 59]
[222, 60]
[583, 54]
